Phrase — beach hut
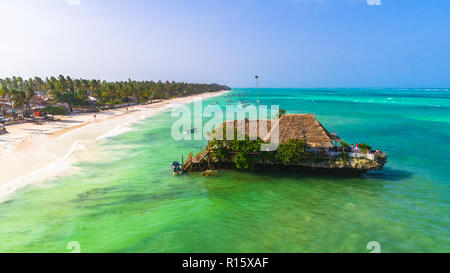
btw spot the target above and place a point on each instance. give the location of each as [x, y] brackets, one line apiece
[5, 107]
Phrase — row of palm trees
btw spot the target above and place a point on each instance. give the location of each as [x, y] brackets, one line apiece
[78, 92]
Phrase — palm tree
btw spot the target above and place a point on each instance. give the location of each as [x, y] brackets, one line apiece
[29, 95]
[19, 82]
[38, 83]
[4, 91]
[75, 92]
[17, 97]
[62, 83]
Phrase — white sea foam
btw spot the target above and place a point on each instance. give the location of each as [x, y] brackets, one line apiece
[79, 137]
[58, 167]
[118, 130]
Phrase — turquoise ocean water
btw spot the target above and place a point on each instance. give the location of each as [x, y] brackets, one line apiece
[128, 201]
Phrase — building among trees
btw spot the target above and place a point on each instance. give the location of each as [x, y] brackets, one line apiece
[303, 143]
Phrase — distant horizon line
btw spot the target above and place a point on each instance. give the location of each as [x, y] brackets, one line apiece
[398, 88]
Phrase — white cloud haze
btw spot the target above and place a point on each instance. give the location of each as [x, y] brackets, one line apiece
[337, 43]
[73, 2]
[374, 2]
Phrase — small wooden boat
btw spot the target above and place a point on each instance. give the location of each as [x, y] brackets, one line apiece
[177, 168]
[190, 131]
[242, 105]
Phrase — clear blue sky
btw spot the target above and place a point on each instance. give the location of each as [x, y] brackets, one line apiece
[289, 43]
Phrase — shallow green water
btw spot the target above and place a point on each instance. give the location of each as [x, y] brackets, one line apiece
[130, 202]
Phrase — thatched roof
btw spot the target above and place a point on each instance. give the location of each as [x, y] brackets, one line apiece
[305, 127]
[290, 126]
[237, 123]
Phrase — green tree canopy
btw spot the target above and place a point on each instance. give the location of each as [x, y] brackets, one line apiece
[75, 92]
[292, 152]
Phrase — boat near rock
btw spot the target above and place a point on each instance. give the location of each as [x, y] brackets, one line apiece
[302, 144]
[190, 131]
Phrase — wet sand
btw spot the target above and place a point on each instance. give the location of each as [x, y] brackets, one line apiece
[32, 153]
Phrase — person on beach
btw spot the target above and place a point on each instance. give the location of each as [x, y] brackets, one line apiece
[352, 148]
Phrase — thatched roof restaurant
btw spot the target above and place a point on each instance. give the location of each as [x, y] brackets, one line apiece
[304, 144]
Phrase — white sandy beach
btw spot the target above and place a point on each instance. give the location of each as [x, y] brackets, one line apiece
[31, 153]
